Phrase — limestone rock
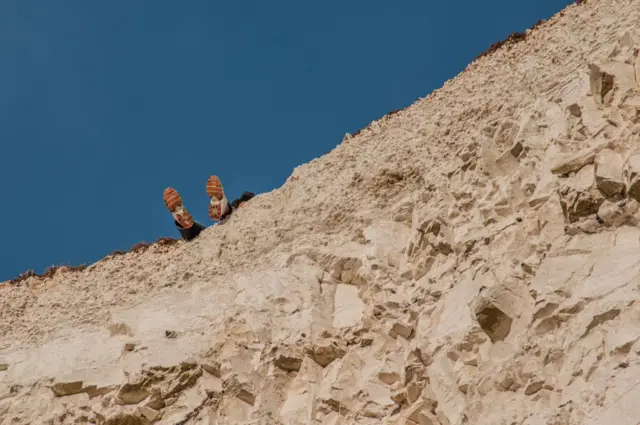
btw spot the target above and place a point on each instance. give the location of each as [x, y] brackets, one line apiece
[495, 322]
[418, 414]
[612, 214]
[633, 175]
[608, 75]
[534, 386]
[636, 66]
[120, 328]
[288, 363]
[401, 328]
[325, 352]
[608, 170]
[149, 413]
[575, 161]
[126, 419]
[131, 394]
[579, 196]
[472, 259]
[62, 389]
[451, 401]
[348, 307]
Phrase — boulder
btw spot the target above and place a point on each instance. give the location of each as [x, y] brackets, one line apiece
[348, 307]
[612, 214]
[131, 394]
[61, 389]
[451, 401]
[579, 196]
[608, 172]
[605, 76]
[575, 161]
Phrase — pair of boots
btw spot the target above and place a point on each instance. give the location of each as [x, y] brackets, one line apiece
[219, 207]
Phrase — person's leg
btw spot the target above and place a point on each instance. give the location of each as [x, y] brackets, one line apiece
[219, 207]
[185, 224]
[191, 232]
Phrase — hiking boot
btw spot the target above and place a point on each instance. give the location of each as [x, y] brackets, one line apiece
[173, 201]
[218, 203]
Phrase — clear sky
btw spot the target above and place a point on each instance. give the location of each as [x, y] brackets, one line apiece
[104, 104]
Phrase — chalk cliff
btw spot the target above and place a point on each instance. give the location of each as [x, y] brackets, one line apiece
[471, 259]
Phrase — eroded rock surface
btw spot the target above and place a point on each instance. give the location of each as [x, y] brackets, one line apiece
[472, 259]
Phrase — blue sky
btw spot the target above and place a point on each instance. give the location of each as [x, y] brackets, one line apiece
[104, 104]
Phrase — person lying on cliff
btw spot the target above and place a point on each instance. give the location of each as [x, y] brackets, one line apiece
[219, 208]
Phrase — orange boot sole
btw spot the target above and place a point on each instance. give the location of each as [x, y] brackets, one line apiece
[173, 201]
[218, 204]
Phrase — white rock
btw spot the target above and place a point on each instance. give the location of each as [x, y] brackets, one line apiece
[471, 259]
[608, 169]
[348, 307]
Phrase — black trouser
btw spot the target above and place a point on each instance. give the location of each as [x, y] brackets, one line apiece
[191, 232]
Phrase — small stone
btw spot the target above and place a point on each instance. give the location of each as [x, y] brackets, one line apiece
[366, 341]
[129, 346]
[119, 328]
[611, 214]
[399, 396]
[574, 109]
[122, 418]
[170, 334]
[493, 321]
[388, 378]
[608, 172]
[156, 403]
[3, 367]
[247, 397]
[578, 195]
[574, 162]
[402, 329]
[414, 390]
[516, 149]
[212, 368]
[288, 363]
[534, 387]
[62, 389]
[149, 413]
[131, 394]
[601, 82]
[325, 354]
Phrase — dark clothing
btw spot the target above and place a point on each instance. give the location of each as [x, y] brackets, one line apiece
[193, 231]
[243, 198]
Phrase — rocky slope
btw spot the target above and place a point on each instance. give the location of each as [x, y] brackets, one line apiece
[472, 259]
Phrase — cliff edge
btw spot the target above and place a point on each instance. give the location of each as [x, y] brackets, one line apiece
[471, 259]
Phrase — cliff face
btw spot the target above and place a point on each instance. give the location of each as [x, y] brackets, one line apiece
[472, 259]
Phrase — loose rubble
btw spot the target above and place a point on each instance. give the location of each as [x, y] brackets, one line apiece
[472, 259]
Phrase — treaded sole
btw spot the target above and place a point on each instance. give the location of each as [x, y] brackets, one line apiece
[218, 204]
[173, 201]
